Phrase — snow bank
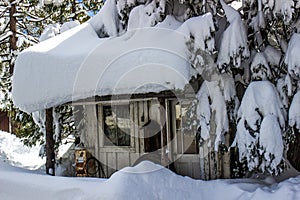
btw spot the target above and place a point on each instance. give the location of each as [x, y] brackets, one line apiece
[144, 181]
[13, 151]
[77, 64]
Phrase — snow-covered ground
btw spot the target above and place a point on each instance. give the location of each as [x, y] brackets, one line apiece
[13, 152]
[145, 181]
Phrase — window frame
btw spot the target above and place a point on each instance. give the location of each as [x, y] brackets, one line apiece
[179, 134]
[100, 124]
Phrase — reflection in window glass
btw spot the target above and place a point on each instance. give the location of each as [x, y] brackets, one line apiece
[116, 125]
[186, 139]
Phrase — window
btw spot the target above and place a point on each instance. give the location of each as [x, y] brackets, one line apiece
[116, 120]
[186, 139]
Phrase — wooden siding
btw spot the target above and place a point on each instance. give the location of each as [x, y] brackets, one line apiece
[205, 165]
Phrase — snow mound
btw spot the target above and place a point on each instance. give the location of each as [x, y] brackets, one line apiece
[143, 167]
[13, 151]
[158, 184]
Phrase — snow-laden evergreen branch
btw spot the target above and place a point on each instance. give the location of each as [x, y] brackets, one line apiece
[234, 43]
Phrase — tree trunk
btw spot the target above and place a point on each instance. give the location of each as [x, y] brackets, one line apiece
[13, 29]
[50, 154]
[293, 154]
[74, 10]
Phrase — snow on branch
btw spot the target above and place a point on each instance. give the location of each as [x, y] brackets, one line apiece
[198, 33]
[284, 9]
[234, 47]
[50, 31]
[106, 23]
[54, 2]
[260, 69]
[201, 30]
[147, 15]
[292, 59]
[212, 109]
[294, 111]
[280, 9]
[5, 35]
[261, 121]
[272, 55]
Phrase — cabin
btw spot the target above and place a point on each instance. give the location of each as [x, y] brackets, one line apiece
[136, 92]
[124, 132]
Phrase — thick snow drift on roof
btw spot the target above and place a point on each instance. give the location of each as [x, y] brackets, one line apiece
[49, 67]
[77, 64]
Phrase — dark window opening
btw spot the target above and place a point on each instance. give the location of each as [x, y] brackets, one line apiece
[152, 136]
[116, 125]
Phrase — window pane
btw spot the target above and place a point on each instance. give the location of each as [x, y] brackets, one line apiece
[186, 137]
[116, 125]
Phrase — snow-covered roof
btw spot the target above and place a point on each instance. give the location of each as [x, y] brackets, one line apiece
[77, 64]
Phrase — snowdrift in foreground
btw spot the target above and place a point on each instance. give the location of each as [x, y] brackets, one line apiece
[14, 152]
[144, 181]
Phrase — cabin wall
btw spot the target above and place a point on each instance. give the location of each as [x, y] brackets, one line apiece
[90, 136]
[114, 158]
[206, 164]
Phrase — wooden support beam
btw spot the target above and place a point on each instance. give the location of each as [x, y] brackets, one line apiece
[164, 135]
[13, 28]
[50, 153]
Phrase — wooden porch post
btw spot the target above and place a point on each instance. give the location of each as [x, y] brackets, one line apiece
[50, 154]
[164, 142]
